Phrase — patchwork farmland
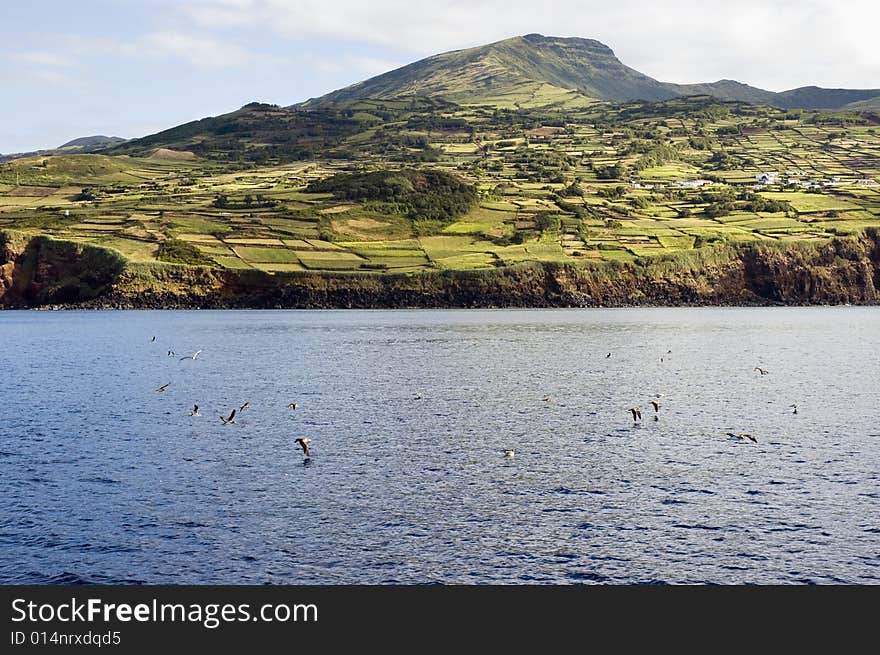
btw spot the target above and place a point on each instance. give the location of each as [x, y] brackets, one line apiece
[589, 182]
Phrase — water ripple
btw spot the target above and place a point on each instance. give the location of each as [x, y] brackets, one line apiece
[409, 413]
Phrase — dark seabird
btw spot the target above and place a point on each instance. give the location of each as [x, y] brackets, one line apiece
[162, 388]
[152, 340]
[762, 371]
[194, 411]
[193, 356]
[637, 413]
[292, 405]
[304, 443]
[244, 407]
[509, 453]
[742, 436]
[794, 408]
[231, 419]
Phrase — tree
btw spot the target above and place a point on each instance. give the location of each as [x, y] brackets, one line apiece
[614, 172]
[544, 221]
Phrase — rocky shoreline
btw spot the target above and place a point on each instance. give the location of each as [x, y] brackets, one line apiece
[42, 273]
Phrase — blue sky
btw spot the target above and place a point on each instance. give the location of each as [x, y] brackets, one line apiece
[70, 69]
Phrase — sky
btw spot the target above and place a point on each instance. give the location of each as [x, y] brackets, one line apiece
[71, 69]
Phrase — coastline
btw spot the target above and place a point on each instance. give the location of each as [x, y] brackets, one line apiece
[43, 273]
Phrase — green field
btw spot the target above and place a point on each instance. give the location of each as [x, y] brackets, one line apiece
[549, 178]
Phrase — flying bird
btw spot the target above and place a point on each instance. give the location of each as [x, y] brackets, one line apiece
[509, 453]
[194, 411]
[742, 437]
[656, 406]
[193, 356]
[152, 340]
[244, 407]
[171, 353]
[292, 405]
[794, 408]
[162, 388]
[608, 356]
[231, 419]
[304, 443]
[762, 371]
[637, 413]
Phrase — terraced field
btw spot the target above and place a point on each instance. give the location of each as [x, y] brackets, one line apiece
[593, 183]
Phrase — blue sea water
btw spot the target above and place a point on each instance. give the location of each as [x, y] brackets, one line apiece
[104, 480]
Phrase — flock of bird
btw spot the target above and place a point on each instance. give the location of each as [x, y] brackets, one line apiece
[637, 412]
[303, 442]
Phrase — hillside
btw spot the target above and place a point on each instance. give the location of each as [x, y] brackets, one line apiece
[814, 97]
[80, 145]
[514, 69]
[729, 90]
[536, 195]
[537, 70]
[385, 115]
[386, 187]
[91, 143]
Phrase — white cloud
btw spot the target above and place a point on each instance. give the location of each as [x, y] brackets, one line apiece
[202, 51]
[199, 50]
[350, 63]
[48, 59]
[52, 78]
[776, 44]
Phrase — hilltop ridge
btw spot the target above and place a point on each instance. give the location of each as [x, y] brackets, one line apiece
[531, 69]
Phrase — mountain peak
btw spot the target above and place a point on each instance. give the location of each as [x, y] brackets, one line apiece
[93, 142]
[534, 70]
[518, 71]
[541, 40]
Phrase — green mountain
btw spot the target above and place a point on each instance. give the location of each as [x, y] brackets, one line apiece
[873, 104]
[525, 68]
[536, 70]
[392, 115]
[83, 144]
[91, 143]
[814, 97]
[541, 195]
[729, 90]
